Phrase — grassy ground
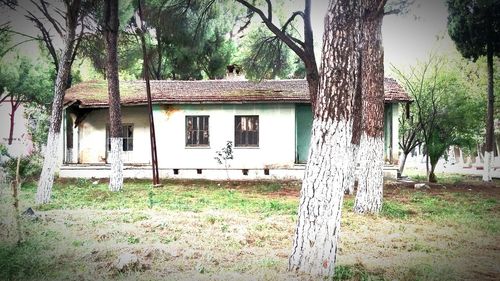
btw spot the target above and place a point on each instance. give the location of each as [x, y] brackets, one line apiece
[200, 230]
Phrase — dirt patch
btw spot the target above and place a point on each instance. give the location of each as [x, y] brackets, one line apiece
[488, 190]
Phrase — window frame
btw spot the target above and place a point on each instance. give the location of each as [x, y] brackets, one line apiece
[197, 131]
[246, 144]
[128, 140]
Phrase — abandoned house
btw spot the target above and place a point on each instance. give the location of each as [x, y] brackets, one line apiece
[268, 123]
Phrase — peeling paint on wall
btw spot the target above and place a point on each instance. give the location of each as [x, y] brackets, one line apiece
[169, 110]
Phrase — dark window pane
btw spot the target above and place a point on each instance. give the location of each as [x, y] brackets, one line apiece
[246, 131]
[197, 130]
[130, 144]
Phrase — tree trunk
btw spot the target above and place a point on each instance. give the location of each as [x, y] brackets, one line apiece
[44, 188]
[115, 122]
[14, 105]
[371, 153]
[402, 163]
[490, 127]
[432, 176]
[330, 167]
[427, 172]
[12, 117]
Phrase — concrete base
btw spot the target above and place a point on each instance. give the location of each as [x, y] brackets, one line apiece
[145, 172]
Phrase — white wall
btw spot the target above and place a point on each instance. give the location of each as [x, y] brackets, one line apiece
[276, 136]
[92, 136]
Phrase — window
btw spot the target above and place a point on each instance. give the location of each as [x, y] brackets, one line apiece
[246, 131]
[127, 135]
[197, 131]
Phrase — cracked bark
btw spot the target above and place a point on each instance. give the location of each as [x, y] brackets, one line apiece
[371, 151]
[330, 168]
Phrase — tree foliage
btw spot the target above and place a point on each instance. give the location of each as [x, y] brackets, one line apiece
[473, 25]
[446, 110]
[475, 28]
[189, 39]
[264, 56]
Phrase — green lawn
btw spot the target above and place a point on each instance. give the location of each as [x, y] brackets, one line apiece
[243, 230]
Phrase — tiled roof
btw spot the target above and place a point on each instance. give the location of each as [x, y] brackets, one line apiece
[393, 92]
[94, 93]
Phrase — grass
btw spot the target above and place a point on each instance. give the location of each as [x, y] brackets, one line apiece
[354, 272]
[209, 228]
[245, 198]
[195, 197]
[446, 178]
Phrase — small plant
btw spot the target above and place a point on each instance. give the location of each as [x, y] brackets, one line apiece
[151, 199]
[133, 240]
[30, 167]
[168, 239]
[81, 182]
[224, 155]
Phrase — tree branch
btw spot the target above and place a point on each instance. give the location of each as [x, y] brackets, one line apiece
[269, 10]
[15, 45]
[292, 17]
[274, 29]
[43, 9]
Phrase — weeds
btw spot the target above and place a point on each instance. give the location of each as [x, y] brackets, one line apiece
[394, 210]
[355, 272]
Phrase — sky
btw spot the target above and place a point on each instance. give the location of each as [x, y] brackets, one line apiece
[406, 38]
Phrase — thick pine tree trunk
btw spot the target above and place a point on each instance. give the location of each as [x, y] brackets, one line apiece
[330, 168]
[44, 188]
[490, 127]
[115, 122]
[371, 152]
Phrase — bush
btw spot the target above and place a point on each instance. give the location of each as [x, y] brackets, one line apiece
[30, 167]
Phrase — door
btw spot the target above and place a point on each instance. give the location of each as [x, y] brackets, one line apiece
[303, 126]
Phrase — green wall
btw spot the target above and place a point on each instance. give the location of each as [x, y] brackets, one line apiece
[303, 125]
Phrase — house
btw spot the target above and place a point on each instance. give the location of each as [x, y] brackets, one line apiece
[268, 122]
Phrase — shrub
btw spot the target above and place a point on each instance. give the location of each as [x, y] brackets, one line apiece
[30, 167]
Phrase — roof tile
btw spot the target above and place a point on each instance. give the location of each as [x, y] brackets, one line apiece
[94, 93]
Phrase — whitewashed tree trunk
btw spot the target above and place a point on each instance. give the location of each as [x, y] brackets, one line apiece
[330, 167]
[111, 27]
[371, 177]
[115, 159]
[371, 152]
[44, 188]
[402, 163]
[488, 163]
[328, 171]
[355, 154]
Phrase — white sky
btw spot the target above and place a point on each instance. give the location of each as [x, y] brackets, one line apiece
[406, 38]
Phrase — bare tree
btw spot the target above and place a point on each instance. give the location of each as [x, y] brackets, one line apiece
[111, 25]
[410, 135]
